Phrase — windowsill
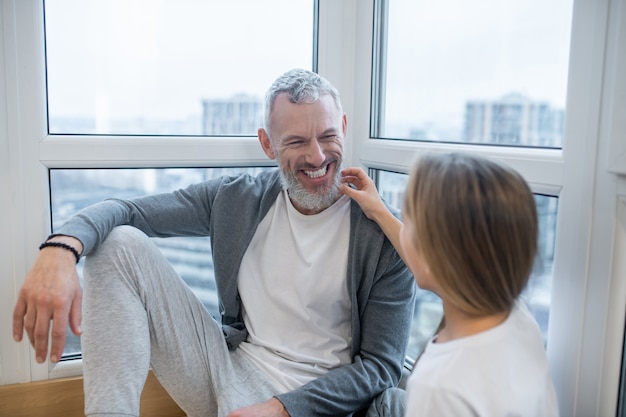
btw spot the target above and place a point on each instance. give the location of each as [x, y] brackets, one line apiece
[64, 397]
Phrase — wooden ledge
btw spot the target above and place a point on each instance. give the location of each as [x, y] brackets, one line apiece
[64, 398]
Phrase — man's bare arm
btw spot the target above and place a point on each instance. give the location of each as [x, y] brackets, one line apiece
[51, 294]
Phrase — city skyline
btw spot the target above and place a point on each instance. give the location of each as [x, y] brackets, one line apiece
[512, 119]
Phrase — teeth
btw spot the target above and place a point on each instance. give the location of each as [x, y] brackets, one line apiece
[316, 174]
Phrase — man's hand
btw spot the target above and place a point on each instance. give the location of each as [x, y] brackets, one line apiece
[51, 292]
[270, 408]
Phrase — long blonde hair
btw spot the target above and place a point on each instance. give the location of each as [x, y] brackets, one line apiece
[475, 225]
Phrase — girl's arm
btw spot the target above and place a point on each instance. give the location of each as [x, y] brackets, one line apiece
[366, 195]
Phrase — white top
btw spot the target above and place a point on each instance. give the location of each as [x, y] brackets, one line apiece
[499, 372]
[293, 288]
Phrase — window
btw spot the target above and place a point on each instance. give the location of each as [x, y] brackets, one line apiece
[474, 71]
[166, 69]
[190, 67]
[479, 73]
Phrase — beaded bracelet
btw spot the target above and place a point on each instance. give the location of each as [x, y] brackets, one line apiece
[61, 245]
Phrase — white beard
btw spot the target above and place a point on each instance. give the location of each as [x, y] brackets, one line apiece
[308, 200]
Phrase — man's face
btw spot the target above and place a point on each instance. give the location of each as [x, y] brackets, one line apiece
[307, 142]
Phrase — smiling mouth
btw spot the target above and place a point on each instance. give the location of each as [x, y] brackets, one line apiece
[316, 174]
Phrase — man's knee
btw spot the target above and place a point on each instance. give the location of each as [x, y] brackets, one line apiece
[122, 236]
[121, 240]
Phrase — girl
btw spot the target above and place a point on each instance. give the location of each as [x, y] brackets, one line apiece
[469, 234]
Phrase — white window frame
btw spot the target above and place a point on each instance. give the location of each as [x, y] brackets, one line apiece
[589, 287]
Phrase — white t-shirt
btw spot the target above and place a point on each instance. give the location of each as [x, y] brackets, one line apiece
[499, 372]
[293, 288]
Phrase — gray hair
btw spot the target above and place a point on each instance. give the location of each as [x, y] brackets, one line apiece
[301, 86]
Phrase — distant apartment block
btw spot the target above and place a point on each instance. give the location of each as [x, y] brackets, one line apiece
[514, 120]
[238, 115]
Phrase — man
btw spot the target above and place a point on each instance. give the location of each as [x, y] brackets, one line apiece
[316, 304]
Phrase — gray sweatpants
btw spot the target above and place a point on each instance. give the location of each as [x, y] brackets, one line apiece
[137, 314]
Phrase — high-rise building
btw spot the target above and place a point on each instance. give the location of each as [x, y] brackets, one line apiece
[238, 115]
[514, 120]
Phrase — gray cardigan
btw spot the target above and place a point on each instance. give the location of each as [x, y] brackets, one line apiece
[228, 210]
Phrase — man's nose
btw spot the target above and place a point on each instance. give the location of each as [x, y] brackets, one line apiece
[315, 153]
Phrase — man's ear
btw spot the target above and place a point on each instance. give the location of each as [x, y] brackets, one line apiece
[266, 143]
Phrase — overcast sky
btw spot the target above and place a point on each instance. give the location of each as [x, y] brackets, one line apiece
[450, 51]
[161, 58]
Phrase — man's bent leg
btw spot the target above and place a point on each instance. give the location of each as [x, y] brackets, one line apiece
[135, 309]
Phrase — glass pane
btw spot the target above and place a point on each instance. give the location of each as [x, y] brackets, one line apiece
[74, 189]
[484, 71]
[190, 67]
[537, 294]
